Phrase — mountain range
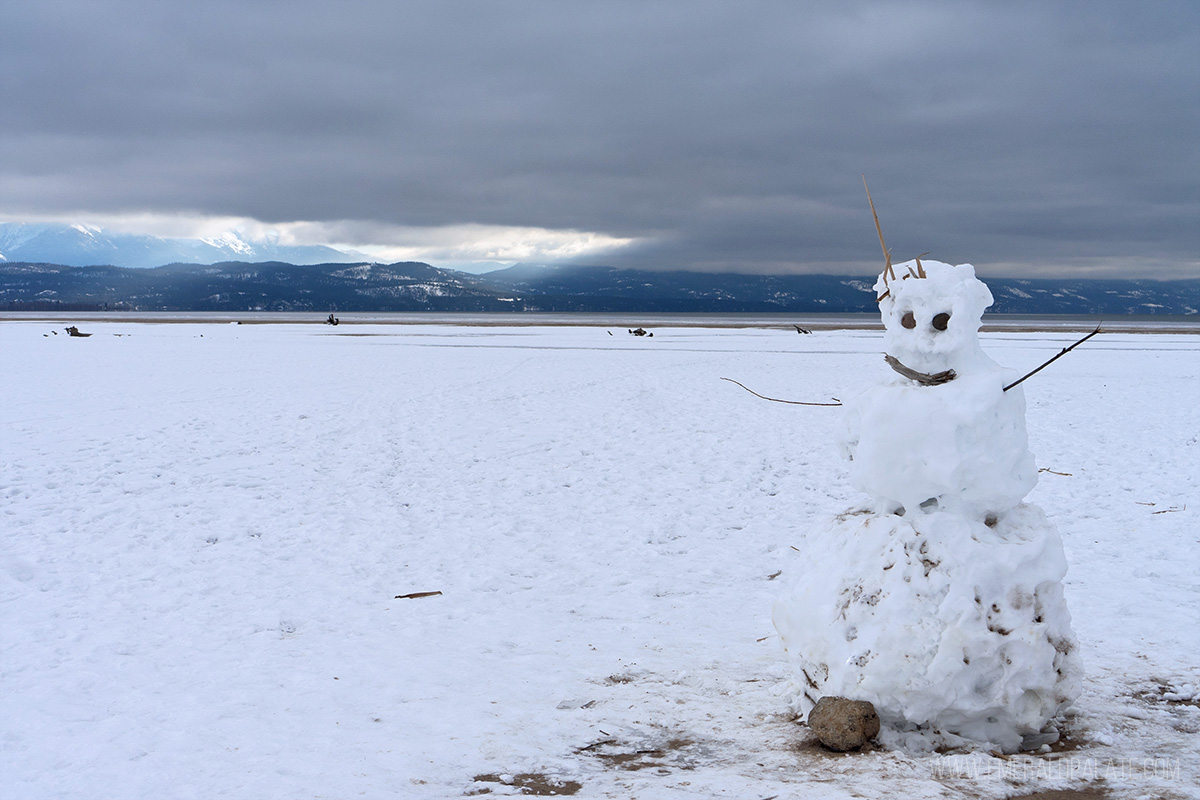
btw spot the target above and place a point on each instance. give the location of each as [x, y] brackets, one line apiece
[88, 245]
[233, 286]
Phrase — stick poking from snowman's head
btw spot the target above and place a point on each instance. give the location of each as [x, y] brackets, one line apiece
[887, 254]
[888, 273]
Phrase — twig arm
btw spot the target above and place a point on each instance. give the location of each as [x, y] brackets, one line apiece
[1061, 353]
[773, 400]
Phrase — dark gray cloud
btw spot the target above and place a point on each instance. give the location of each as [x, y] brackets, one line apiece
[1027, 138]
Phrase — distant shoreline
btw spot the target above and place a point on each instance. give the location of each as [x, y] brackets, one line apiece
[1015, 323]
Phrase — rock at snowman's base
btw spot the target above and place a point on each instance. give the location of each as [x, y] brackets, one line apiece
[842, 724]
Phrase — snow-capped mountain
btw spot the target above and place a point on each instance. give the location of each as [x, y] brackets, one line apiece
[87, 245]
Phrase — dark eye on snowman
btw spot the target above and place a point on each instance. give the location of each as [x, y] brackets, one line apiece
[940, 321]
[908, 320]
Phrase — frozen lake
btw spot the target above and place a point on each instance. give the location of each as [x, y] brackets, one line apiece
[206, 527]
[618, 322]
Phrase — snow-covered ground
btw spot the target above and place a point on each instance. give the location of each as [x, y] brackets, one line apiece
[205, 529]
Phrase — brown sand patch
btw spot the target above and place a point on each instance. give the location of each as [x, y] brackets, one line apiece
[1084, 793]
[531, 783]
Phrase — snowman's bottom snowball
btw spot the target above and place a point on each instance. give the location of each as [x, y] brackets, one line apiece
[938, 620]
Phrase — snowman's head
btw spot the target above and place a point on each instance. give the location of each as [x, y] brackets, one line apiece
[931, 312]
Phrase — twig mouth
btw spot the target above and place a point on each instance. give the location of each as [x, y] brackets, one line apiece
[923, 378]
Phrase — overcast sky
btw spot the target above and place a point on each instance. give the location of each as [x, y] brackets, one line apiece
[1028, 138]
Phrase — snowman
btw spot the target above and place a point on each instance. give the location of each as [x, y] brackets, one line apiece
[940, 601]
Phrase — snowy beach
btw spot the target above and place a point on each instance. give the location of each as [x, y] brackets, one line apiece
[373, 560]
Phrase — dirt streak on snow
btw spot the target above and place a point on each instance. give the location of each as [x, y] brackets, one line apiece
[205, 527]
